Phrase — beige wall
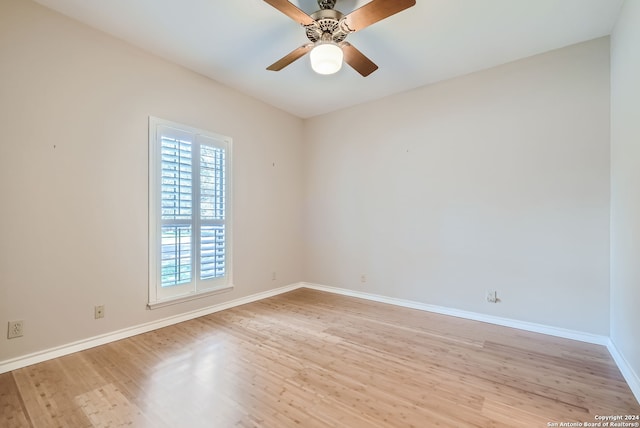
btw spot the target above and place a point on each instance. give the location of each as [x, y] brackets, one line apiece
[74, 104]
[625, 186]
[498, 180]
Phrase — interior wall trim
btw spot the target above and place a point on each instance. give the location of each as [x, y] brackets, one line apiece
[632, 378]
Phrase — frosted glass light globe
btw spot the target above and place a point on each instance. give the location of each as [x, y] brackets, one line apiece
[326, 58]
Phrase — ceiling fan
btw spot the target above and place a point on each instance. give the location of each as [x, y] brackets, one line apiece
[327, 30]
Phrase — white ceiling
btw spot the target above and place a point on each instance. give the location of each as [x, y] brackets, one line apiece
[233, 41]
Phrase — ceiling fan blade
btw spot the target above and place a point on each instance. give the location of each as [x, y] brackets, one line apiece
[374, 11]
[290, 57]
[291, 11]
[357, 60]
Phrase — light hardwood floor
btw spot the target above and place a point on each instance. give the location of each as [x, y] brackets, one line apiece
[313, 359]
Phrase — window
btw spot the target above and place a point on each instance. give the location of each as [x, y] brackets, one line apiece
[189, 212]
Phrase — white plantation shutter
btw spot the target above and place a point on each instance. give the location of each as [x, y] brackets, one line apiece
[189, 207]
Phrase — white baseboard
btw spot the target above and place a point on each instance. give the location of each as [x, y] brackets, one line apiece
[59, 351]
[632, 378]
[506, 322]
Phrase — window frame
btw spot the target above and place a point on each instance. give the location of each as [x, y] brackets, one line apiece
[162, 296]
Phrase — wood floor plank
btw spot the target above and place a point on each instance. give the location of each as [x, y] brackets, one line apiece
[12, 410]
[313, 359]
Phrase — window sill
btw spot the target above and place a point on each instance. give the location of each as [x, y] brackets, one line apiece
[182, 299]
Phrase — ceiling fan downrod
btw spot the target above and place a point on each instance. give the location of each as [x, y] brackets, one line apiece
[326, 4]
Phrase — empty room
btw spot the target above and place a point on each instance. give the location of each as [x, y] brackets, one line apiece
[318, 213]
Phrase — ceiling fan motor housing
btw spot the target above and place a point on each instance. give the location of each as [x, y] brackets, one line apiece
[327, 21]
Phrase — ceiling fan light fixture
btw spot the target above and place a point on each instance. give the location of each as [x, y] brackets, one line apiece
[326, 58]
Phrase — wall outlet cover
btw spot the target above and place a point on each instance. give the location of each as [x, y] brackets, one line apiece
[16, 329]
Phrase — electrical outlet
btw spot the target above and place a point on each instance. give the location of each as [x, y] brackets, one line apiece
[273, 276]
[98, 311]
[16, 329]
[492, 296]
[363, 278]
